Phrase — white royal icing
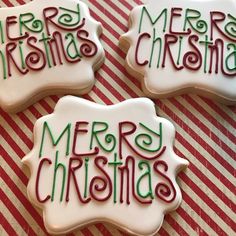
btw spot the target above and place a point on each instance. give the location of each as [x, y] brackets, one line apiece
[33, 28]
[129, 131]
[211, 24]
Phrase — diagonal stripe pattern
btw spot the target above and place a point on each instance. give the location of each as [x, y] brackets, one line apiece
[206, 136]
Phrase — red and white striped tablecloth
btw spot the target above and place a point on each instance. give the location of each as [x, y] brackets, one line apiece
[206, 136]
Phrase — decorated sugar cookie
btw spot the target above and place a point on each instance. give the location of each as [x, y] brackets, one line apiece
[47, 47]
[113, 164]
[180, 46]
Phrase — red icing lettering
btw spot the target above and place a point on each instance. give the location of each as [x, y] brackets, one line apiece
[42, 162]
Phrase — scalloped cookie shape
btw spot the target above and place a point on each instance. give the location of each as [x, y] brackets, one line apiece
[47, 47]
[183, 46]
[93, 163]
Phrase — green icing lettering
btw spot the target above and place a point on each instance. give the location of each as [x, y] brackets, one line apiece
[230, 27]
[25, 20]
[144, 140]
[206, 43]
[56, 168]
[155, 40]
[153, 22]
[72, 47]
[231, 57]
[55, 141]
[45, 43]
[2, 34]
[115, 163]
[68, 19]
[147, 174]
[22, 55]
[192, 18]
[180, 49]
[4, 65]
[86, 178]
[99, 128]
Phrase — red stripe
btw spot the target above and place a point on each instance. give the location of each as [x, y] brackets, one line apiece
[219, 111]
[103, 229]
[195, 136]
[162, 231]
[233, 109]
[110, 88]
[21, 2]
[86, 232]
[110, 16]
[55, 98]
[28, 206]
[212, 120]
[101, 95]
[174, 224]
[8, 3]
[126, 4]
[11, 142]
[17, 129]
[123, 233]
[195, 152]
[205, 162]
[204, 128]
[17, 215]
[46, 106]
[121, 83]
[118, 10]
[189, 220]
[34, 112]
[199, 192]
[210, 184]
[203, 215]
[6, 226]
[26, 121]
[13, 165]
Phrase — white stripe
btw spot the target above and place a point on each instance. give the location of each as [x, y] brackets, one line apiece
[228, 211]
[206, 122]
[19, 123]
[214, 114]
[109, 9]
[25, 214]
[78, 233]
[168, 228]
[178, 218]
[106, 92]
[202, 168]
[95, 98]
[15, 136]
[113, 84]
[202, 135]
[93, 229]
[197, 218]
[207, 209]
[112, 229]
[11, 220]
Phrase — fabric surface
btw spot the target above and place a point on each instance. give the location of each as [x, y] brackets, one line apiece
[206, 136]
